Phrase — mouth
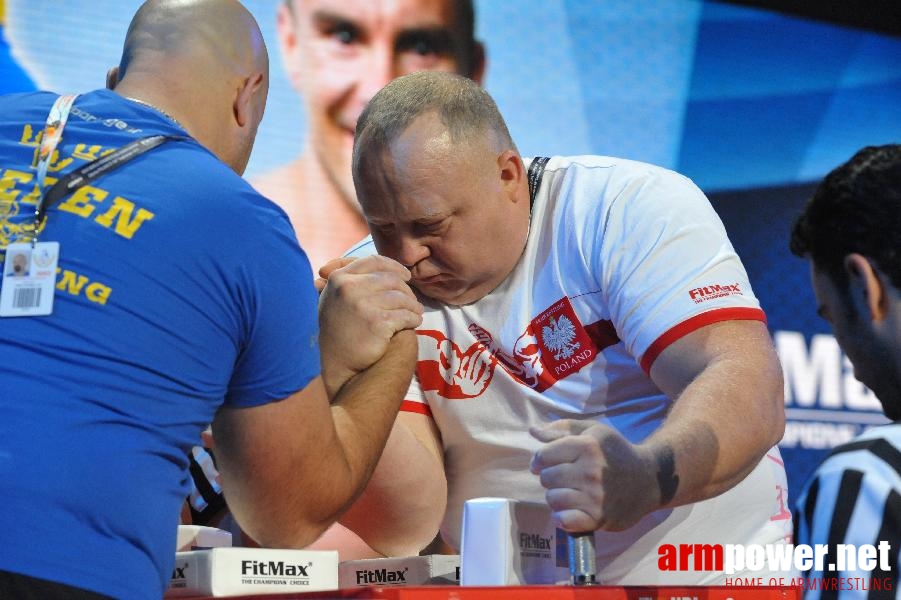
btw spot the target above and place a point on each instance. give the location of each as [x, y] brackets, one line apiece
[428, 280]
[432, 280]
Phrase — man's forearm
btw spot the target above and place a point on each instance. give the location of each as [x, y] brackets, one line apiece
[366, 406]
[290, 468]
[718, 430]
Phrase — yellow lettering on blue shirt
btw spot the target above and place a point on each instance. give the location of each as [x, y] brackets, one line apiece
[72, 283]
[80, 202]
[122, 216]
[29, 138]
[57, 164]
[121, 212]
[85, 152]
[8, 184]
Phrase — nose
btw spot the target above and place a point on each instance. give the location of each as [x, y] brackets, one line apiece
[410, 251]
[377, 72]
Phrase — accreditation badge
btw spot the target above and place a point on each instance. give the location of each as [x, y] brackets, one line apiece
[29, 279]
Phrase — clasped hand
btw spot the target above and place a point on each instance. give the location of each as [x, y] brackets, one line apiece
[363, 303]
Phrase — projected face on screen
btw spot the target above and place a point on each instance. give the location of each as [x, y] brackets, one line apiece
[338, 53]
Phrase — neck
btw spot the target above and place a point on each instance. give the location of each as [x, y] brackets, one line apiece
[156, 108]
[157, 102]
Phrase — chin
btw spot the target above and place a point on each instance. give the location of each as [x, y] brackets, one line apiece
[891, 404]
[438, 293]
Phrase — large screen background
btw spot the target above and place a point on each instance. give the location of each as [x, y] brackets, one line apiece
[754, 105]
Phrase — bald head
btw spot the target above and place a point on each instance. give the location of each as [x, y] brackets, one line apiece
[205, 63]
[220, 34]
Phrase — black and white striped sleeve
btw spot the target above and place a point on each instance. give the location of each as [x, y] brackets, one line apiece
[854, 499]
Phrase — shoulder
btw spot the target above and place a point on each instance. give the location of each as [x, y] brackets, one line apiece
[27, 99]
[603, 187]
[608, 167]
[876, 452]
[881, 443]
[612, 179]
[31, 108]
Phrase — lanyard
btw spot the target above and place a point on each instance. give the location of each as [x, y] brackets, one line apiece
[536, 171]
[53, 133]
[56, 122]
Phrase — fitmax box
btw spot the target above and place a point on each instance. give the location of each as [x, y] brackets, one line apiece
[511, 542]
[432, 569]
[198, 537]
[222, 572]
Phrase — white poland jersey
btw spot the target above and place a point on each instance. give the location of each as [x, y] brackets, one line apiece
[622, 259]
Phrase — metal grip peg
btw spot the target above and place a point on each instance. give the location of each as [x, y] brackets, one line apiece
[583, 567]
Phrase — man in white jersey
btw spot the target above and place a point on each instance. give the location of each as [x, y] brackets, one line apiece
[850, 232]
[592, 341]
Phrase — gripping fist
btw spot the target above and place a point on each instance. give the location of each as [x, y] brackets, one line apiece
[594, 477]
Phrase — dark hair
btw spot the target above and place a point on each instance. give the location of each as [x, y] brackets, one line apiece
[857, 208]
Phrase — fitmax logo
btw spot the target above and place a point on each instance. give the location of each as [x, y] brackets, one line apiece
[276, 568]
[382, 576]
[179, 572]
[533, 541]
[709, 292]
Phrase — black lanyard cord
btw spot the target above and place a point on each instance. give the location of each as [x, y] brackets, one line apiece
[94, 169]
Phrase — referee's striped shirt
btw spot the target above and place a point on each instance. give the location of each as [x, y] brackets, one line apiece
[854, 497]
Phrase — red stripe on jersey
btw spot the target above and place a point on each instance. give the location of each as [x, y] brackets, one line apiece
[416, 407]
[695, 323]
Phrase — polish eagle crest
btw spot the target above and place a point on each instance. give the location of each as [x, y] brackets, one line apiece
[559, 336]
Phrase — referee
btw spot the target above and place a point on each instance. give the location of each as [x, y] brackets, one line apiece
[850, 232]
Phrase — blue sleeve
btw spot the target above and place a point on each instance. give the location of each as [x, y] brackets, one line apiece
[279, 307]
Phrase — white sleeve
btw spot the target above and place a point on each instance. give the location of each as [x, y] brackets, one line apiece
[365, 247]
[665, 262]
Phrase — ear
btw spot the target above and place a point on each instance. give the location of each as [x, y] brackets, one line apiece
[112, 78]
[512, 173]
[865, 279]
[244, 105]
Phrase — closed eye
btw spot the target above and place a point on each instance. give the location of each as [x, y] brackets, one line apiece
[430, 227]
[381, 229]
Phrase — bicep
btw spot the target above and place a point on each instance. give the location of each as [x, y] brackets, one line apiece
[731, 348]
[408, 490]
[425, 431]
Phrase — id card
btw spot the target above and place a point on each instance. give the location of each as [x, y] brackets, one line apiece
[29, 279]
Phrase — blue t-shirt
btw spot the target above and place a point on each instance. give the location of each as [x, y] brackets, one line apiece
[179, 289]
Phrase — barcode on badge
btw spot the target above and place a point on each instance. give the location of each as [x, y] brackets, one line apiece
[27, 297]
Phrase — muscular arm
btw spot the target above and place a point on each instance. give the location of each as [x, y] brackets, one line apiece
[291, 467]
[402, 507]
[728, 410]
[726, 383]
